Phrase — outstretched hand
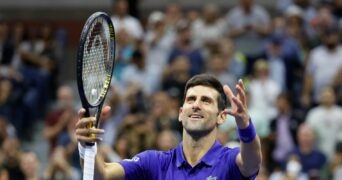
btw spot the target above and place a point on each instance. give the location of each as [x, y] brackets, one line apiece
[83, 134]
[238, 104]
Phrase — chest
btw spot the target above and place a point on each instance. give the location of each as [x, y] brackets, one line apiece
[195, 173]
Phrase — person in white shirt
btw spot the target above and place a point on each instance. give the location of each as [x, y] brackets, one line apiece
[210, 28]
[323, 65]
[326, 120]
[121, 19]
[248, 24]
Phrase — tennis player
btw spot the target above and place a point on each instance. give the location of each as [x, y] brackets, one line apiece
[199, 155]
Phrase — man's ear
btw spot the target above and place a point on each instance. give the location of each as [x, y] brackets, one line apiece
[221, 117]
[179, 114]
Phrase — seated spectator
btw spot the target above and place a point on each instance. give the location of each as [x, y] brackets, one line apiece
[162, 114]
[217, 66]
[30, 166]
[325, 119]
[263, 91]
[123, 20]
[311, 159]
[209, 28]
[175, 77]
[184, 47]
[323, 65]
[167, 139]
[61, 113]
[282, 138]
[248, 24]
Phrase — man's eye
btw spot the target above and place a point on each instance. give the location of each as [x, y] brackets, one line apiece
[190, 100]
[207, 101]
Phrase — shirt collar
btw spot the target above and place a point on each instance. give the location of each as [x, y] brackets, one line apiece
[209, 158]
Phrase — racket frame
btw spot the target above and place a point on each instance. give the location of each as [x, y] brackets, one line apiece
[79, 66]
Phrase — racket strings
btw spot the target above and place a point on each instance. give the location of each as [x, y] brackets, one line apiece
[94, 61]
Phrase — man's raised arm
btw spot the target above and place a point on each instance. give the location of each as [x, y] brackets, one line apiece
[106, 170]
[249, 158]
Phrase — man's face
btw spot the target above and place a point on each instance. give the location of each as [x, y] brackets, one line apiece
[199, 113]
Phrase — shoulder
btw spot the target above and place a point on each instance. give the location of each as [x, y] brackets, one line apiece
[229, 154]
[151, 158]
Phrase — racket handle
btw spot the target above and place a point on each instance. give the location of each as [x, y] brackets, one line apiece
[89, 163]
[91, 126]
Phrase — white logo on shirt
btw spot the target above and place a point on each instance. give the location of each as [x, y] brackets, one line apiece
[211, 178]
[134, 159]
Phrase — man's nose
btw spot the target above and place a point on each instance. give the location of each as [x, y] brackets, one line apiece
[196, 105]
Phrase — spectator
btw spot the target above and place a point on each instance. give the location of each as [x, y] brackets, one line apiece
[217, 66]
[159, 42]
[11, 148]
[323, 65]
[236, 60]
[167, 139]
[282, 138]
[311, 159]
[110, 124]
[163, 115]
[30, 166]
[183, 47]
[173, 14]
[137, 73]
[325, 119]
[175, 77]
[248, 24]
[209, 28]
[7, 131]
[263, 91]
[58, 117]
[276, 62]
[122, 20]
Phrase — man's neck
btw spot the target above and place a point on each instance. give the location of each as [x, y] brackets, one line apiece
[195, 149]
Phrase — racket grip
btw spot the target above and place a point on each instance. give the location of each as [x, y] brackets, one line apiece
[89, 163]
[91, 126]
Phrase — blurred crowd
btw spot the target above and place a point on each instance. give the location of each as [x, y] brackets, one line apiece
[290, 59]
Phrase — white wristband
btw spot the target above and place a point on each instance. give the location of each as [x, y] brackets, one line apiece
[81, 149]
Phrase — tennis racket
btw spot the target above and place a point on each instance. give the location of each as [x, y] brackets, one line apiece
[95, 64]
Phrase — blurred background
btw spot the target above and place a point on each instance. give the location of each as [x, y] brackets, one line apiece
[287, 52]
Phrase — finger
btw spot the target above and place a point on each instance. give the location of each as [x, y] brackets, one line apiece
[87, 132]
[81, 113]
[241, 93]
[84, 122]
[239, 105]
[85, 139]
[231, 112]
[105, 110]
[242, 84]
[228, 93]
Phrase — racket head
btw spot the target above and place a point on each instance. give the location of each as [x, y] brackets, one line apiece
[95, 59]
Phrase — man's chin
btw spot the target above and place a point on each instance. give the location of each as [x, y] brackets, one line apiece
[197, 133]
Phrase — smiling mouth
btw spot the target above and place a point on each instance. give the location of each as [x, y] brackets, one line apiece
[195, 116]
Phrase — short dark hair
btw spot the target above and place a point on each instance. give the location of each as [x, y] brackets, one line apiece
[209, 81]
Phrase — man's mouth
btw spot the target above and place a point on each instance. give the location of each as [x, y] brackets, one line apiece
[195, 116]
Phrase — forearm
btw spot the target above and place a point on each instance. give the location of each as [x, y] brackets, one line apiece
[251, 156]
[106, 170]
[249, 159]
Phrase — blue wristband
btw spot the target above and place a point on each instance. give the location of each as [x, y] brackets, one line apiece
[248, 134]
